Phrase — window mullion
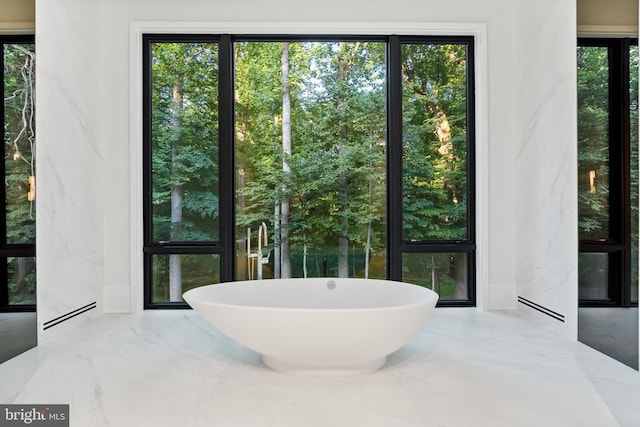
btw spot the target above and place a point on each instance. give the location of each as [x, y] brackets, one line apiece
[226, 157]
[394, 159]
[4, 288]
[625, 165]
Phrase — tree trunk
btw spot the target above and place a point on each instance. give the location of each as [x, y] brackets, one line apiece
[434, 276]
[460, 277]
[304, 261]
[285, 267]
[175, 263]
[241, 137]
[342, 78]
[276, 240]
[19, 269]
[367, 248]
[243, 265]
[343, 235]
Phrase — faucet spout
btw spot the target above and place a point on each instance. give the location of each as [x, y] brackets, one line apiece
[262, 233]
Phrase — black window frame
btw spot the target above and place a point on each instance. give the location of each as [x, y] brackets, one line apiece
[617, 245]
[225, 246]
[396, 244]
[10, 250]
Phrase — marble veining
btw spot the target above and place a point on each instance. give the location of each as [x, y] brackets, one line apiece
[70, 223]
[546, 157]
[465, 367]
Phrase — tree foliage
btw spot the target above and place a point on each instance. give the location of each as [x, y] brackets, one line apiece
[338, 143]
[635, 162]
[593, 133]
[19, 139]
[335, 179]
[599, 189]
[185, 156]
[19, 148]
[434, 141]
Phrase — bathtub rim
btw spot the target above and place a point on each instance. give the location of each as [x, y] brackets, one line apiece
[432, 300]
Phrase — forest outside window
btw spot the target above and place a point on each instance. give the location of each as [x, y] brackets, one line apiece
[308, 156]
[17, 204]
[608, 172]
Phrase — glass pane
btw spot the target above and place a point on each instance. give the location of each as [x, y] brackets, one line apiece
[444, 273]
[310, 159]
[185, 141]
[21, 279]
[593, 276]
[434, 120]
[593, 143]
[19, 140]
[633, 109]
[175, 274]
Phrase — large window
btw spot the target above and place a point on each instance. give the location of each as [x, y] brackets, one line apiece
[274, 156]
[17, 204]
[310, 156]
[437, 229]
[608, 172]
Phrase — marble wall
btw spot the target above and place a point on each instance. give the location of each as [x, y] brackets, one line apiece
[546, 158]
[89, 233]
[70, 162]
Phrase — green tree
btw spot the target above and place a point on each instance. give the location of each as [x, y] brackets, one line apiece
[346, 128]
[633, 89]
[19, 137]
[434, 110]
[185, 148]
[593, 134]
[259, 152]
[19, 161]
[337, 143]
[434, 141]
[310, 149]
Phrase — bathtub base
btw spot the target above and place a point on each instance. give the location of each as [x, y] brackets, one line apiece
[314, 370]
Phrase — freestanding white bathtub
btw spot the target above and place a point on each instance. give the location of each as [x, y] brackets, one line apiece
[317, 326]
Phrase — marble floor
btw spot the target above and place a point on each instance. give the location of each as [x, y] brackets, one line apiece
[465, 368]
[18, 333]
[611, 330]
